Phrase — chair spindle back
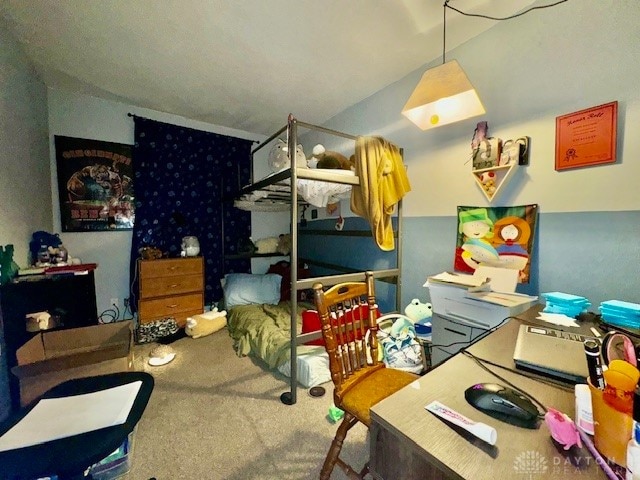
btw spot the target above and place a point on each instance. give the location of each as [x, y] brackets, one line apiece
[347, 311]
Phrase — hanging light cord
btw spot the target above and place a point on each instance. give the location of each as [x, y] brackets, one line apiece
[488, 17]
[444, 30]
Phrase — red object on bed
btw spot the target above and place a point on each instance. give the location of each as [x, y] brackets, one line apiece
[283, 268]
[311, 323]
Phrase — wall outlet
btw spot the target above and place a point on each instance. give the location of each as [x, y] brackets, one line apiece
[114, 301]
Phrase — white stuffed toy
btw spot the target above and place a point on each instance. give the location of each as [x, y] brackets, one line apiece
[267, 245]
[279, 157]
[206, 323]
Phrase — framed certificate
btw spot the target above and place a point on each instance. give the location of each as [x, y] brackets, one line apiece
[587, 137]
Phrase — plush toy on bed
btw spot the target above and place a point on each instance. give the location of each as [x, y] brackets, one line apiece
[206, 323]
[323, 158]
[284, 244]
[267, 245]
[279, 158]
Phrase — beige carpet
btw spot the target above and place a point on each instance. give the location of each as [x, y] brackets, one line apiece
[214, 416]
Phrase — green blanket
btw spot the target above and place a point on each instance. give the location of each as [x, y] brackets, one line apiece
[264, 330]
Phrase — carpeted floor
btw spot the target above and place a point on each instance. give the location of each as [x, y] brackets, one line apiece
[213, 415]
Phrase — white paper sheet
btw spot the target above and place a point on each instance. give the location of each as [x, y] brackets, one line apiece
[505, 299]
[456, 279]
[56, 418]
[557, 319]
[500, 279]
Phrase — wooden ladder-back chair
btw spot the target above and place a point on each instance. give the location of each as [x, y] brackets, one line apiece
[347, 311]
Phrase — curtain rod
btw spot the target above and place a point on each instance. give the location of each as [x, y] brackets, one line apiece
[129, 114]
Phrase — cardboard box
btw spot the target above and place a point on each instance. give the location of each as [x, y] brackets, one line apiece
[53, 357]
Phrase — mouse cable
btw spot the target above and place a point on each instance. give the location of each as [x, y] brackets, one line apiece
[530, 375]
[481, 363]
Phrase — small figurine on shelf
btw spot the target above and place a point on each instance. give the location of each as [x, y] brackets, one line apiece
[485, 150]
[44, 248]
[488, 180]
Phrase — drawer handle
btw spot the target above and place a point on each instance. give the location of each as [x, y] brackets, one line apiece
[172, 306]
[173, 285]
[455, 331]
[171, 269]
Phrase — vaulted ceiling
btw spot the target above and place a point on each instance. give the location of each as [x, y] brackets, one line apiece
[243, 64]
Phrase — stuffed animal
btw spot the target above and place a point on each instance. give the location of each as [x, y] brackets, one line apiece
[39, 246]
[323, 158]
[284, 244]
[267, 245]
[150, 253]
[488, 180]
[206, 323]
[279, 157]
[418, 311]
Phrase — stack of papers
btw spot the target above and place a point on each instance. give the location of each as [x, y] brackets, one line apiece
[622, 314]
[565, 304]
[501, 298]
[488, 284]
[459, 280]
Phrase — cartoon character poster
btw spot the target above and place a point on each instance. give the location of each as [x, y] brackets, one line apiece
[496, 237]
[95, 185]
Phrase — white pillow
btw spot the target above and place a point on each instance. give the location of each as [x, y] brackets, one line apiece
[247, 289]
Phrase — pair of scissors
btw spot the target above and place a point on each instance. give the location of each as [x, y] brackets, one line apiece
[619, 346]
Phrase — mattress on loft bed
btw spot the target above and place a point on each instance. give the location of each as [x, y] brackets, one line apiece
[264, 331]
[318, 193]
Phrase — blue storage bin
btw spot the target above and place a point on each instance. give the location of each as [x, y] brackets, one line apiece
[116, 464]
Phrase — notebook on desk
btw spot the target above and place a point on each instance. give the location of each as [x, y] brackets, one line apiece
[553, 353]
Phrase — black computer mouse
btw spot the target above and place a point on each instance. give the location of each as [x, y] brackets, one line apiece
[503, 403]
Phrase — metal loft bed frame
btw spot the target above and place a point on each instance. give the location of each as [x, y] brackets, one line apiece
[290, 196]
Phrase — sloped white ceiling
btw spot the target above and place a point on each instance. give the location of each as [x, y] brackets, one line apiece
[243, 64]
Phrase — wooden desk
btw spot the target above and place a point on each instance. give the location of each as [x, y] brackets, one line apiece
[408, 443]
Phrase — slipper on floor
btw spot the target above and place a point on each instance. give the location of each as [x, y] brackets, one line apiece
[161, 355]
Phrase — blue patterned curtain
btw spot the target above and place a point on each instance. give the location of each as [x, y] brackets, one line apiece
[181, 177]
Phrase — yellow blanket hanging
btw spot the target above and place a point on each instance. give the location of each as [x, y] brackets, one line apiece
[383, 183]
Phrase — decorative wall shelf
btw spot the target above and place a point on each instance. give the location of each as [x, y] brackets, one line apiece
[492, 180]
[493, 170]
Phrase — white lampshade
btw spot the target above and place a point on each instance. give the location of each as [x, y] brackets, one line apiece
[444, 95]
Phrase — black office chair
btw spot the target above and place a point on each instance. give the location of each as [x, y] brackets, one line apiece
[70, 457]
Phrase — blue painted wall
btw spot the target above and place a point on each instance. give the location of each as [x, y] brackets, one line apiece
[527, 71]
[592, 254]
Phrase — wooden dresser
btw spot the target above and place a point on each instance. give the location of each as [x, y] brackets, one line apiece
[171, 287]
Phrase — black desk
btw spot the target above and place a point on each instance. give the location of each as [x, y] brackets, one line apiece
[408, 443]
[67, 457]
[74, 295]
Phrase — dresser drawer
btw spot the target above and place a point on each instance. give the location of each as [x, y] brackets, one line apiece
[179, 306]
[174, 285]
[168, 267]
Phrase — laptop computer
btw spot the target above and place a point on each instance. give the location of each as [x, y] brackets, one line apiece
[552, 353]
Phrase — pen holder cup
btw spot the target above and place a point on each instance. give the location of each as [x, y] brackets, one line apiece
[612, 428]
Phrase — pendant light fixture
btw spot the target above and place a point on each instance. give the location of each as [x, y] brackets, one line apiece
[444, 94]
